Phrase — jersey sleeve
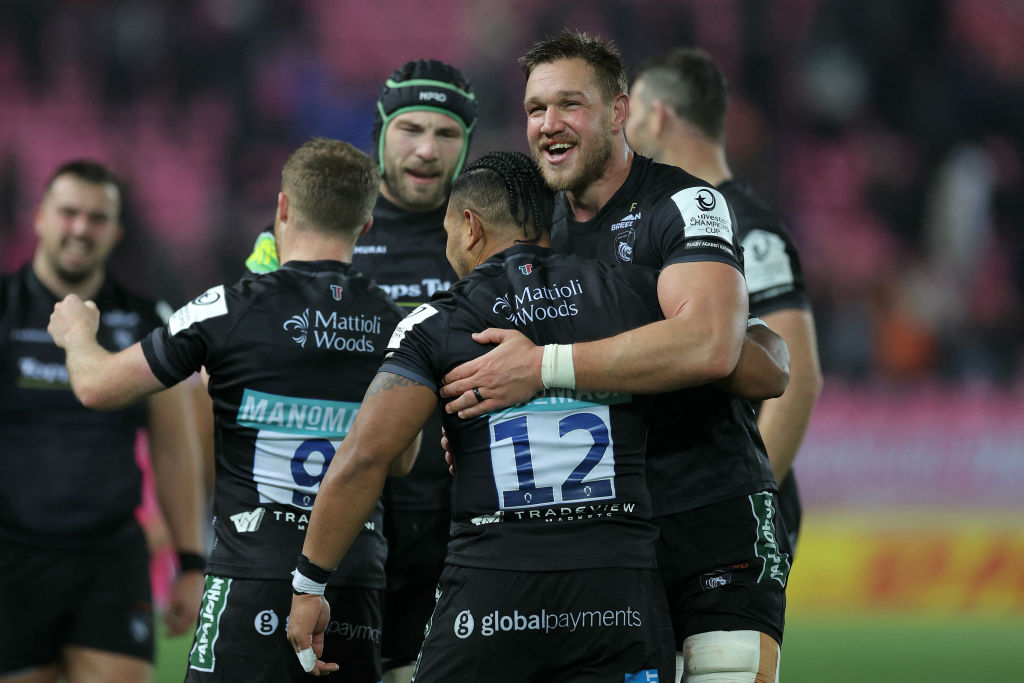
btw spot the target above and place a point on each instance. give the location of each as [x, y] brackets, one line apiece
[413, 349]
[695, 224]
[182, 346]
[775, 279]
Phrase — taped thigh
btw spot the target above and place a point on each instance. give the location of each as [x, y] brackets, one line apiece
[730, 657]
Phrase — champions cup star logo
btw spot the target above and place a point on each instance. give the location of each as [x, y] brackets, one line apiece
[527, 269]
[705, 200]
[298, 326]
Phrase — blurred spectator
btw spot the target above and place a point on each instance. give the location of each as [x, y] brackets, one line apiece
[889, 132]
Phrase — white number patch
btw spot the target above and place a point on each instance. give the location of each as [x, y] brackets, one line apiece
[550, 457]
[296, 440]
[407, 323]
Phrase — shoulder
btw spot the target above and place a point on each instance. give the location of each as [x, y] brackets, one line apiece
[671, 189]
[662, 179]
[364, 287]
[752, 213]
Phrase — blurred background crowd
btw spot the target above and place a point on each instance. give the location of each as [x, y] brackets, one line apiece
[888, 133]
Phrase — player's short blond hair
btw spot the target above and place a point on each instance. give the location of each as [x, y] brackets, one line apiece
[331, 185]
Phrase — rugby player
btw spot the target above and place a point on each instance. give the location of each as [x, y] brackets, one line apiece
[74, 571]
[289, 355]
[550, 572]
[714, 495]
[677, 116]
[423, 123]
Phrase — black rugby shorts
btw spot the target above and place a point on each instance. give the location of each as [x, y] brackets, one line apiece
[580, 626]
[417, 546]
[241, 633]
[97, 597]
[725, 566]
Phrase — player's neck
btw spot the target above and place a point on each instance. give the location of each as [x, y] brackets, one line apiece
[586, 203]
[403, 206]
[497, 245]
[59, 287]
[699, 157]
[312, 246]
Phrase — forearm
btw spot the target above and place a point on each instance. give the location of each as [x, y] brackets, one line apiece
[670, 354]
[402, 465]
[762, 371]
[783, 423]
[347, 497]
[387, 427]
[177, 468]
[86, 362]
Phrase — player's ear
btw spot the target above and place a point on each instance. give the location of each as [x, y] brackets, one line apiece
[620, 111]
[366, 227]
[660, 111]
[474, 228]
[282, 207]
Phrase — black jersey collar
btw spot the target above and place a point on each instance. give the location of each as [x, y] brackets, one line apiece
[632, 184]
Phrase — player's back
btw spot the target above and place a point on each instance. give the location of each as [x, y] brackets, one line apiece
[290, 354]
[558, 482]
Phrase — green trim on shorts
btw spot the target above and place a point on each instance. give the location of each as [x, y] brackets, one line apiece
[215, 600]
[776, 563]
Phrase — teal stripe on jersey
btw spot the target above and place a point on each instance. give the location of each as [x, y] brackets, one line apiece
[290, 415]
[566, 399]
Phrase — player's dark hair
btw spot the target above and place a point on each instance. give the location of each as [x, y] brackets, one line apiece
[600, 54]
[507, 189]
[89, 171]
[331, 184]
[687, 80]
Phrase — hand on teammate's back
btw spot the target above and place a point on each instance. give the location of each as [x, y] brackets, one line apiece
[504, 376]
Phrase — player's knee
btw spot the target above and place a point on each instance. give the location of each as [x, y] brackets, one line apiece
[730, 657]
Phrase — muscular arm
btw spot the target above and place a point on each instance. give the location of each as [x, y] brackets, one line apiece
[101, 380]
[763, 368]
[783, 421]
[705, 308]
[386, 430]
[176, 455]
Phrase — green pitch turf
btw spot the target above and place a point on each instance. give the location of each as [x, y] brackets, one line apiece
[875, 649]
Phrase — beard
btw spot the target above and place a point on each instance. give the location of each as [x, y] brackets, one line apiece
[409, 196]
[69, 276]
[590, 167]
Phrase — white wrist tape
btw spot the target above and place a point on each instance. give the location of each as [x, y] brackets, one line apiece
[304, 584]
[755, 321]
[556, 367]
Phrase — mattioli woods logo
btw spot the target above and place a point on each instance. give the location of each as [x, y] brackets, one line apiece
[333, 331]
[533, 304]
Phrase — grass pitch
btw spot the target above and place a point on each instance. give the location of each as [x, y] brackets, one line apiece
[862, 649]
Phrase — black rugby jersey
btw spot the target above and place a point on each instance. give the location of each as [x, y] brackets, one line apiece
[775, 282]
[704, 445]
[404, 253]
[290, 354]
[775, 278]
[68, 476]
[556, 483]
